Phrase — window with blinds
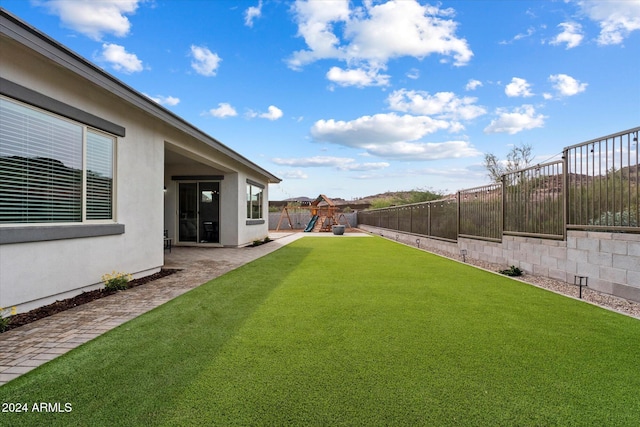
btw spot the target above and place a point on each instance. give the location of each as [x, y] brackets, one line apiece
[99, 175]
[41, 168]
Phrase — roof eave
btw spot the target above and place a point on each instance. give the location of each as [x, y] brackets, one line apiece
[20, 31]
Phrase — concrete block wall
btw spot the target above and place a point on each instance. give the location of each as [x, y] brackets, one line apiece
[540, 257]
[417, 240]
[611, 261]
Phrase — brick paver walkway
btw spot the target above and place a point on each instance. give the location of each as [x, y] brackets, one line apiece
[24, 348]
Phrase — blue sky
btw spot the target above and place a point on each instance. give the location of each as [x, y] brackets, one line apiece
[353, 98]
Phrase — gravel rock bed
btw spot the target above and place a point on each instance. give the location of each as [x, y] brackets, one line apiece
[610, 302]
[59, 306]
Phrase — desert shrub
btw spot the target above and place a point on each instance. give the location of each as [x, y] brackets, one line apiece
[116, 281]
[259, 242]
[5, 319]
[511, 271]
[623, 219]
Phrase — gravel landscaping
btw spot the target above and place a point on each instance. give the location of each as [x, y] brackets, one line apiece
[83, 298]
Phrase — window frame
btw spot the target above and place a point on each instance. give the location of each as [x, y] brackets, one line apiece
[19, 232]
[85, 181]
[250, 203]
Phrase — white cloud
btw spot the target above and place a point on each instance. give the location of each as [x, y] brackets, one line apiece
[94, 18]
[392, 136]
[252, 13]
[617, 19]
[120, 59]
[530, 31]
[517, 120]
[571, 35]
[293, 174]
[473, 84]
[424, 150]
[413, 74]
[339, 163]
[448, 174]
[444, 105]
[273, 113]
[375, 33]
[357, 77]
[405, 28]
[315, 24]
[224, 110]
[316, 161]
[376, 129]
[518, 87]
[164, 100]
[567, 85]
[204, 61]
[363, 167]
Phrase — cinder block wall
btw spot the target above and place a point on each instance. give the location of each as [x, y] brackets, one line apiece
[416, 240]
[611, 261]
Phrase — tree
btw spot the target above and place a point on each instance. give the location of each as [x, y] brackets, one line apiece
[518, 158]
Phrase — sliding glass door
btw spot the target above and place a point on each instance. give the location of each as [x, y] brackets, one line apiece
[199, 212]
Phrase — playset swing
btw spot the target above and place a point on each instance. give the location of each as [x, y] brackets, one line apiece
[324, 215]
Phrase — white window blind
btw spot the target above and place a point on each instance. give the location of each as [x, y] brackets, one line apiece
[99, 175]
[41, 168]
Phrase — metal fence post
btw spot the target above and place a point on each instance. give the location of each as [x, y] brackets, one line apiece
[565, 190]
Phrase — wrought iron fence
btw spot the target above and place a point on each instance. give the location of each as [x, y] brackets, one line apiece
[443, 219]
[602, 183]
[437, 219]
[420, 219]
[480, 212]
[533, 201]
[595, 187]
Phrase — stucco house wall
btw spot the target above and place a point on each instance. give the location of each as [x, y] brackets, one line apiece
[61, 260]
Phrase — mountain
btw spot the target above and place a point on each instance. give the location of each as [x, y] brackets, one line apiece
[387, 198]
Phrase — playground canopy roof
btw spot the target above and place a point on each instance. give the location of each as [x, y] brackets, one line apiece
[322, 198]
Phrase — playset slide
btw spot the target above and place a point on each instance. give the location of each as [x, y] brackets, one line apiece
[311, 224]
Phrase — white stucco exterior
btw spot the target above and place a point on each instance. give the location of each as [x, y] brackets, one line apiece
[157, 147]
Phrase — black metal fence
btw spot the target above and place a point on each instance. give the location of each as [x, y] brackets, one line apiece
[595, 186]
[480, 212]
[602, 183]
[533, 201]
[437, 219]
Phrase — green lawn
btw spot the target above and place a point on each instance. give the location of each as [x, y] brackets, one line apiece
[350, 331]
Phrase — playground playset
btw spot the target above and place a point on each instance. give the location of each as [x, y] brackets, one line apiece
[324, 215]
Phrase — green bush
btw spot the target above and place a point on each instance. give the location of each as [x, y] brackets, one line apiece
[511, 271]
[259, 242]
[116, 281]
[5, 320]
[622, 219]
